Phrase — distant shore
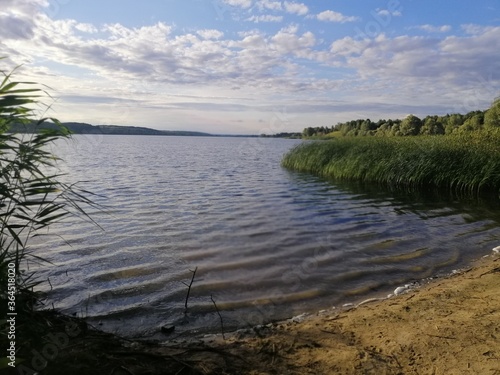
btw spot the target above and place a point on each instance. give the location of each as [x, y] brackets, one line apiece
[84, 128]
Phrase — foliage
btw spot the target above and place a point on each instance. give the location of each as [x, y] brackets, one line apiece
[461, 162]
[412, 125]
[492, 116]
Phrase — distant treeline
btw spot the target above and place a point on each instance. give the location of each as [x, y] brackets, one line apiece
[283, 135]
[412, 125]
[82, 128]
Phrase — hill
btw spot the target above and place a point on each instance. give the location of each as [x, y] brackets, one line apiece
[83, 128]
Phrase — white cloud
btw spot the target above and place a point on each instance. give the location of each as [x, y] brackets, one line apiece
[475, 29]
[239, 3]
[434, 29]
[348, 46]
[445, 66]
[24, 7]
[286, 41]
[331, 16]
[296, 8]
[121, 54]
[269, 4]
[210, 34]
[265, 18]
[386, 13]
[86, 28]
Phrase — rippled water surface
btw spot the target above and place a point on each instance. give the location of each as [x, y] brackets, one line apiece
[267, 243]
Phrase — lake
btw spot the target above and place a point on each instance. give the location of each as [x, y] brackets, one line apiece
[268, 243]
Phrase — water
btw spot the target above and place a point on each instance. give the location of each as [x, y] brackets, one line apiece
[268, 244]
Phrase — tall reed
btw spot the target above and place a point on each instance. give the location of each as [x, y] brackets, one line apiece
[32, 197]
[467, 162]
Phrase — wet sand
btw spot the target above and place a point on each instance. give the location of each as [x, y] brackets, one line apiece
[449, 326]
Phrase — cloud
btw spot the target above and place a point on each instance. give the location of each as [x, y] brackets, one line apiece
[265, 18]
[24, 7]
[16, 18]
[239, 3]
[286, 41]
[269, 4]
[434, 29]
[386, 13]
[210, 34]
[296, 8]
[117, 53]
[15, 27]
[114, 66]
[331, 16]
[86, 28]
[475, 29]
[443, 66]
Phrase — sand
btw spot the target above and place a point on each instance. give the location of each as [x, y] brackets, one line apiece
[448, 326]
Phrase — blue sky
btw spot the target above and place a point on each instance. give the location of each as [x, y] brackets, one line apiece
[254, 66]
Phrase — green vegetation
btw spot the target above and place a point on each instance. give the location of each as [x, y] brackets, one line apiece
[463, 162]
[412, 125]
[288, 135]
[460, 153]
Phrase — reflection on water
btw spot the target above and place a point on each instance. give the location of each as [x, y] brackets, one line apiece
[268, 243]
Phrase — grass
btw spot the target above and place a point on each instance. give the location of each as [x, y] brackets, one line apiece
[465, 163]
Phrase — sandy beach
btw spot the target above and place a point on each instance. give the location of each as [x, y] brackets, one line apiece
[449, 325]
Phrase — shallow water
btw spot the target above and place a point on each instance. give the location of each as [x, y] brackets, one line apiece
[268, 243]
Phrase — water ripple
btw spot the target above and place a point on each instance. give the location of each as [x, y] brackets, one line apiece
[268, 243]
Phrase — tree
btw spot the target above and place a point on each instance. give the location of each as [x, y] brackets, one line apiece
[492, 115]
[452, 123]
[396, 129]
[366, 126]
[410, 125]
[473, 123]
[308, 132]
[383, 129]
[431, 126]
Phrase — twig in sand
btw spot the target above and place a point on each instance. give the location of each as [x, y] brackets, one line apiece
[494, 270]
[336, 317]
[330, 332]
[442, 337]
[189, 290]
[220, 317]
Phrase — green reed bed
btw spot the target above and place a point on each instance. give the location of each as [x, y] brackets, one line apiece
[466, 162]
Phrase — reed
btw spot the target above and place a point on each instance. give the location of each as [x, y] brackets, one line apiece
[32, 196]
[466, 162]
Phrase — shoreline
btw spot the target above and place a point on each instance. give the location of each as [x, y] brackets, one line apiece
[447, 325]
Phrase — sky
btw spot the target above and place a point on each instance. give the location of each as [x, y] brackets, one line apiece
[254, 66]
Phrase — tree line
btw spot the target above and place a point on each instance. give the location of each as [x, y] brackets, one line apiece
[412, 125]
